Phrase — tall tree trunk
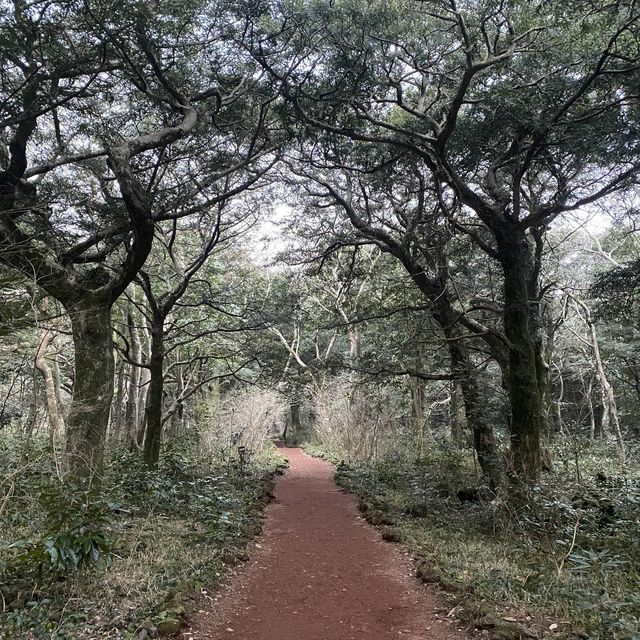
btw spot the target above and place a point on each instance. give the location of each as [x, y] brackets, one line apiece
[32, 414]
[117, 410]
[355, 396]
[144, 383]
[557, 413]
[92, 387]
[58, 386]
[132, 415]
[588, 393]
[545, 382]
[178, 417]
[417, 395]
[523, 334]
[56, 421]
[354, 345]
[153, 433]
[484, 441]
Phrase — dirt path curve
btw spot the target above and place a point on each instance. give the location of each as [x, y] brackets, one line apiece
[319, 572]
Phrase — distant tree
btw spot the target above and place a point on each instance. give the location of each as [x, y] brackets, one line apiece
[389, 204]
[187, 249]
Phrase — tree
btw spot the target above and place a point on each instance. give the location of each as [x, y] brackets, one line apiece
[509, 149]
[387, 203]
[200, 239]
[103, 113]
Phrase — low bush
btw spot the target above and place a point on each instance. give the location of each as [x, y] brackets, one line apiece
[80, 565]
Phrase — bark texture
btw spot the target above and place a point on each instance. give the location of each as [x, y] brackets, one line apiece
[153, 433]
[52, 395]
[92, 387]
[526, 368]
[459, 423]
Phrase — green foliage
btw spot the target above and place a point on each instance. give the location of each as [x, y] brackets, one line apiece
[86, 565]
[16, 304]
[618, 291]
[605, 614]
[72, 536]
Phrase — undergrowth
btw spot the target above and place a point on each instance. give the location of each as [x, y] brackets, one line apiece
[81, 565]
[563, 558]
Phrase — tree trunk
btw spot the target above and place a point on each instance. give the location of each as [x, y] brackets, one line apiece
[117, 410]
[462, 367]
[144, 382]
[177, 417]
[56, 421]
[296, 422]
[545, 383]
[354, 345]
[92, 388]
[58, 386]
[459, 424]
[132, 415]
[484, 441]
[32, 414]
[592, 414]
[417, 395]
[355, 394]
[153, 433]
[557, 414]
[524, 344]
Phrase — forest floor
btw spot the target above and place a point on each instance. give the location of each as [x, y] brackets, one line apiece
[319, 572]
[163, 535]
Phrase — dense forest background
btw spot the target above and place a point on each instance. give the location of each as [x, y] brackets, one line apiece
[402, 234]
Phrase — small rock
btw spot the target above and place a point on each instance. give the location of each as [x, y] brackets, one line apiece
[147, 631]
[427, 572]
[169, 626]
[391, 535]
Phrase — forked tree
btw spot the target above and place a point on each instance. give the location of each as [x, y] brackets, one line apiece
[112, 114]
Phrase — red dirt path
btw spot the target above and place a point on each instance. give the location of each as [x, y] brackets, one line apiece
[319, 572]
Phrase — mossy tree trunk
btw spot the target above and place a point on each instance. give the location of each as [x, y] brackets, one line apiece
[92, 387]
[153, 414]
[484, 441]
[524, 343]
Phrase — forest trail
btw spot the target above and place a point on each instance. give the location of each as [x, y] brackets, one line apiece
[319, 572]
